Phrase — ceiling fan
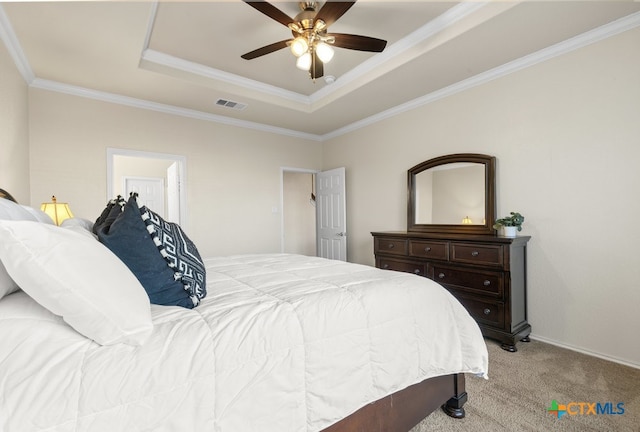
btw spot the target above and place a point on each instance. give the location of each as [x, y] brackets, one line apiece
[311, 43]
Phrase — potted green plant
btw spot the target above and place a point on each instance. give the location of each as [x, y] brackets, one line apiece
[510, 224]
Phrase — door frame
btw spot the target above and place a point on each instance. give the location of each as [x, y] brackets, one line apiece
[282, 171]
[182, 173]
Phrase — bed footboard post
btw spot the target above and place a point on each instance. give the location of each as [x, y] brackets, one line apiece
[454, 406]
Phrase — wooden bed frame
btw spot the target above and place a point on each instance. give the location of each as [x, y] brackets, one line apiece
[404, 409]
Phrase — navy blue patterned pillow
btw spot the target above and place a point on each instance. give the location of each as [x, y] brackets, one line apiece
[180, 253]
[128, 238]
[112, 210]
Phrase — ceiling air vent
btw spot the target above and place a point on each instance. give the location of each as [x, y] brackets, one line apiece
[231, 104]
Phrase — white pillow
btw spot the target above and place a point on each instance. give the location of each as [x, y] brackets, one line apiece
[10, 210]
[38, 214]
[7, 285]
[78, 278]
[84, 226]
[76, 221]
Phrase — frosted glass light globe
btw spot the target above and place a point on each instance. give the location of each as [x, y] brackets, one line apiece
[325, 52]
[304, 61]
[299, 46]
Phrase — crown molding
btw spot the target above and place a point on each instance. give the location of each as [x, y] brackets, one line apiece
[198, 69]
[8, 36]
[351, 80]
[596, 35]
[357, 75]
[73, 90]
[171, 65]
[621, 25]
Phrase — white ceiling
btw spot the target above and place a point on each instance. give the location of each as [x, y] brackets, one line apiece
[181, 57]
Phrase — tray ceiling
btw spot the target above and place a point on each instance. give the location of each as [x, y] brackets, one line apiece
[182, 57]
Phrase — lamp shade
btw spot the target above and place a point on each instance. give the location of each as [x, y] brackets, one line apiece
[58, 212]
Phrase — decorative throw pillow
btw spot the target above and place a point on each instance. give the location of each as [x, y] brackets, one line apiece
[77, 278]
[179, 252]
[112, 210]
[128, 238]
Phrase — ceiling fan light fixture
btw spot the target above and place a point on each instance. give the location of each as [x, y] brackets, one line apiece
[325, 52]
[311, 43]
[304, 61]
[299, 46]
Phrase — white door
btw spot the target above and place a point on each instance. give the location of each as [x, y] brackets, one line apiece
[173, 193]
[331, 214]
[150, 192]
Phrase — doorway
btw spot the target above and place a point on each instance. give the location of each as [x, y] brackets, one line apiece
[167, 168]
[298, 212]
[313, 208]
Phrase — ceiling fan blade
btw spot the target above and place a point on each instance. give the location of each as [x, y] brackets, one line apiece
[317, 67]
[357, 42]
[331, 11]
[271, 11]
[265, 50]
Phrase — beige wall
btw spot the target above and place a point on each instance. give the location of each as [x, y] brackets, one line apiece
[14, 130]
[566, 135]
[233, 174]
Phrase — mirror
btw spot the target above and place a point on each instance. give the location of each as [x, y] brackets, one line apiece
[452, 194]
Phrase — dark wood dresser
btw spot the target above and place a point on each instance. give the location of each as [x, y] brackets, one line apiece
[487, 274]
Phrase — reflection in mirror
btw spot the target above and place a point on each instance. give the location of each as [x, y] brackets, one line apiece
[451, 194]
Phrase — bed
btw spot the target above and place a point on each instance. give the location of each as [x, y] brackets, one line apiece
[279, 342]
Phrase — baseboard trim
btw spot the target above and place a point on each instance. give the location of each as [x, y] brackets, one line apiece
[584, 351]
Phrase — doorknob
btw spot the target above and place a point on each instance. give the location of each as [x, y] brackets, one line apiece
[341, 234]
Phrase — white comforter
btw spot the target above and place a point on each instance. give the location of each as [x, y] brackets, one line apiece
[281, 343]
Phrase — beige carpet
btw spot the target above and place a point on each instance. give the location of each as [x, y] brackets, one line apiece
[522, 385]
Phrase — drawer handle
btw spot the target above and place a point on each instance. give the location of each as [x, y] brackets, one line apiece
[416, 271]
[427, 249]
[441, 275]
[386, 266]
[487, 283]
[475, 253]
[390, 245]
[487, 311]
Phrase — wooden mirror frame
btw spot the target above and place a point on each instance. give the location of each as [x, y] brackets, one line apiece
[489, 163]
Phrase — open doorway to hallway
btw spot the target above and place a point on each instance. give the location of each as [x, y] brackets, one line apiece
[298, 212]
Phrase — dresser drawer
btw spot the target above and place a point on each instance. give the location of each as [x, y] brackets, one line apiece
[486, 283]
[486, 312]
[391, 246]
[486, 274]
[403, 266]
[492, 255]
[429, 249]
